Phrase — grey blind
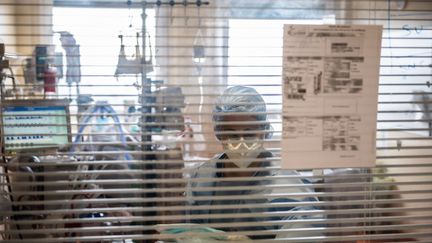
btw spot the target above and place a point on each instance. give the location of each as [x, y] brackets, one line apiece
[108, 132]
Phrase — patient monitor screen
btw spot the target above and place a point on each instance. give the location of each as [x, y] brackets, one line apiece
[35, 126]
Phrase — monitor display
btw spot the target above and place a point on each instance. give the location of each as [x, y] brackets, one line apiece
[35, 124]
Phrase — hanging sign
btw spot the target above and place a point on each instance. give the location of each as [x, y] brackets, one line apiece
[330, 91]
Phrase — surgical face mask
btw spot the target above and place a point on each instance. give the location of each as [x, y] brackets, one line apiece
[243, 150]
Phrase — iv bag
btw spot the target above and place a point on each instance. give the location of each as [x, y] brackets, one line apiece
[137, 64]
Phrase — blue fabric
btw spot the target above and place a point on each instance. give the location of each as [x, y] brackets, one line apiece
[256, 198]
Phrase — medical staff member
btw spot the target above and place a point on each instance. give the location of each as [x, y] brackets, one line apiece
[249, 199]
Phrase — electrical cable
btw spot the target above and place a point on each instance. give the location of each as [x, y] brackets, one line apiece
[12, 76]
[11, 198]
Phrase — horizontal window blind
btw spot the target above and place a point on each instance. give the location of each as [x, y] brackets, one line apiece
[161, 121]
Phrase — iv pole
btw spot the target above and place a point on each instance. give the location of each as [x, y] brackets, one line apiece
[145, 82]
[145, 85]
[146, 96]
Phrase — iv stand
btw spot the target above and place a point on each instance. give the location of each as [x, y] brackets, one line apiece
[145, 82]
[146, 98]
[145, 86]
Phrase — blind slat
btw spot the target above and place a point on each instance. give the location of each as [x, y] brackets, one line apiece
[138, 147]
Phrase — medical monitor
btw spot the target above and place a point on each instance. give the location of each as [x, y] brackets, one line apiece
[35, 124]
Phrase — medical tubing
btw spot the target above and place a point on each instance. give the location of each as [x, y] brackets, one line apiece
[110, 110]
[87, 119]
[84, 124]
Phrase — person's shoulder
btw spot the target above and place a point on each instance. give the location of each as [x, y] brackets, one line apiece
[211, 163]
[283, 172]
[288, 176]
[206, 168]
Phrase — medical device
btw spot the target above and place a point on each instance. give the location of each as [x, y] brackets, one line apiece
[35, 124]
[102, 114]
